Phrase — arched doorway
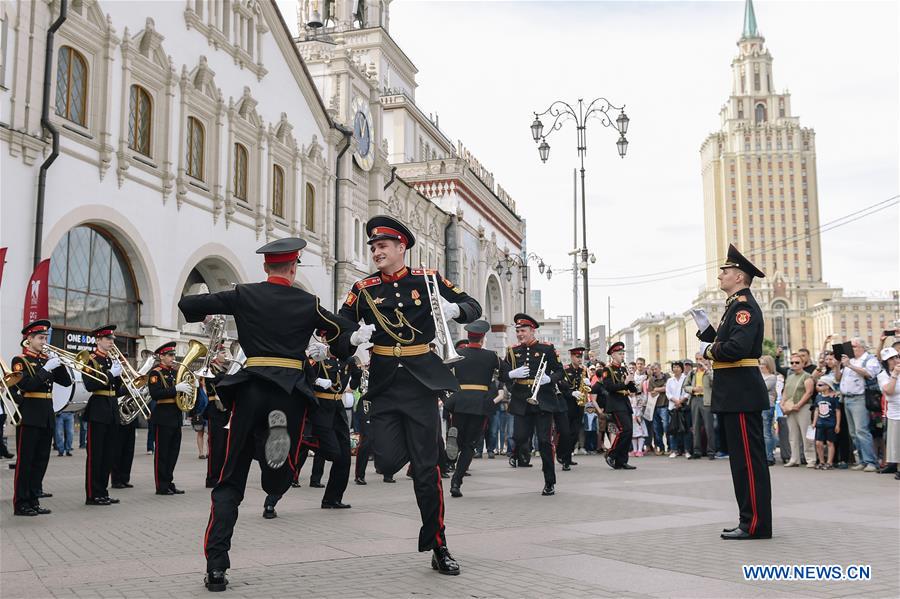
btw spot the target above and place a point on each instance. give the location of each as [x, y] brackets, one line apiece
[91, 283]
[493, 312]
[210, 275]
[780, 330]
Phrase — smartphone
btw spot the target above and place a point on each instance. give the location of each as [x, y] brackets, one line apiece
[892, 333]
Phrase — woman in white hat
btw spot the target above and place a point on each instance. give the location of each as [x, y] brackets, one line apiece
[887, 380]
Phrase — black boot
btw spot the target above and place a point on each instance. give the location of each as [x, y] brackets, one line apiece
[443, 562]
[454, 491]
[269, 507]
[215, 581]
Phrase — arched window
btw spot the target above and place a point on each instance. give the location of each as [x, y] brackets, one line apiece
[760, 113]
[780, 323]
[140, 120]
[310, 220]
[278, 191]
[240, 172]
[356, 236]
[71, 85]
[91, 283]
[195, 145]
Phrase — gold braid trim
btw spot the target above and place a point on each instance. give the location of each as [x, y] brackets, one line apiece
[387, 325]
[336, 326]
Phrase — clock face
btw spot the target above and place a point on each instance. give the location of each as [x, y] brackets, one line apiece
[362, 133]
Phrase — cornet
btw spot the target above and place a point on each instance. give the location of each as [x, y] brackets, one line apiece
[135, 382]
[442, 336]
[8, 380]
[77, 362]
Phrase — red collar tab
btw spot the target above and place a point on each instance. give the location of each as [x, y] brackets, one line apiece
[389, 232]
[530, 343]
[281, 258]
[31, 354]
[396, 276]
[100, 352]
[275, 280]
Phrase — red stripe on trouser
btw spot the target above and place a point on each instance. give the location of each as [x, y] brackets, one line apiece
[750, 477]
[18, 466]
[440, 488]
[212, 505]
[300, 439]
[87, 476]
[618, 433]
[155, 456]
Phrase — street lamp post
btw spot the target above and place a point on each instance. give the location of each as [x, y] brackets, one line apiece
[508, 261]
[561, 112]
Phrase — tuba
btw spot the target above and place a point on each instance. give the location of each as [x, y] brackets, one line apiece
[536, 384]
[442, 336]
[135, 382]
[8, 380]
[187, 401]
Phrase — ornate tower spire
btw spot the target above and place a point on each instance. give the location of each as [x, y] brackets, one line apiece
[749, 21]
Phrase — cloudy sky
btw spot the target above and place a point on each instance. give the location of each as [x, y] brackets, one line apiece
[486, 67]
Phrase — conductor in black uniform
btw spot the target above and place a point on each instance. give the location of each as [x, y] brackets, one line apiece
[739, 394]
[167, 419]
[618, 383]
[34, 395]
[523, 361]
[477, 375]
[269, 395]
[102, 412]
[405, 376]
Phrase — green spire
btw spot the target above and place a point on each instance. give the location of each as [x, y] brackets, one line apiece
[749, 21]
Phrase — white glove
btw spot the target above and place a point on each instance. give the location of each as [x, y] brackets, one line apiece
[115, 369]
[52, 364]
[701, 319]
[703, 346]
[576, 394]
[521, 372]
[450, 309]
[545, 379]
[323, 383]
[317, 351]
[184, 387]
[362, 335]
[587, 382]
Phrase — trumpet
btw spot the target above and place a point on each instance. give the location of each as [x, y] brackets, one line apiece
[187, 401]
[442, 336]
[77, 361]
[8, 380]
[135, 383]
[536, 385]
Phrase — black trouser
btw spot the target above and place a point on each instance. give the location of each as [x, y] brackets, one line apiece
[523, 428]
[574, 420]
[168, 444]
[621, 443]
[216, 441]
[101, 440]
[334, 445]
[123, 453]
[246, 441]
[364, 449]
[407, 428]
[749, 470]
[32, 456]
[469, 432]
[701, 413]
[564, 443]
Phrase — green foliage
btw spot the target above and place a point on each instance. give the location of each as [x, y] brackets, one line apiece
[769, 347]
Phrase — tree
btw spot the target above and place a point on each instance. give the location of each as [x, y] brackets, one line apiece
[769, 348]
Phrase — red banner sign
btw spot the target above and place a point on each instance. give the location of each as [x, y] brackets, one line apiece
[2, 262]
[36, 295]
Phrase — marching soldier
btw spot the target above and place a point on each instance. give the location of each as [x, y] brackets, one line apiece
[123, 455]
[523, 361]
[739, 394]
[475, 399]
[217, 415]
[406, 377]
[618, 383]
[571, 385]
[102, 413]
[35, 400]
[167, 419]
[269, 395]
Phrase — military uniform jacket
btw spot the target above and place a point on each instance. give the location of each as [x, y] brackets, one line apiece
[612, 379]
[37, 412]
[480, 368]
[161, 384]
[398, 306]
[338, 372]
[217, 413]
[739, 337]
[274, 320]
[103, 408]
[520, 389]
[571, 381]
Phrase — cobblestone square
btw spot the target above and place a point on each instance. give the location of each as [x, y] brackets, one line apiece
[652, 532]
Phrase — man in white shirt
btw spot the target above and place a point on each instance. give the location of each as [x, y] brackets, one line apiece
[678, 396]
[852, 376]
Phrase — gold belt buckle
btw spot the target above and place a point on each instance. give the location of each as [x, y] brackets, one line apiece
[398, 351]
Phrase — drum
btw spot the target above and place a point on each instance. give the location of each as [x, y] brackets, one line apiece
[80, 396]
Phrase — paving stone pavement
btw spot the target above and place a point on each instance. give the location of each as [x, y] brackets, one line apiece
[652, 532]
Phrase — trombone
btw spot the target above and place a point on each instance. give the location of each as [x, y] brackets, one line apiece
[77, 362]
[134, 381]
[8, 380]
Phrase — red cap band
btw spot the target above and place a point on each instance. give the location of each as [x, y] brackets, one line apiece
[281, 258]
[40, 328]
[391, 233]
[104, 333]
[524, 323]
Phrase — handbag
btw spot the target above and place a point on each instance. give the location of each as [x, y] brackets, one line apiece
[873, 392]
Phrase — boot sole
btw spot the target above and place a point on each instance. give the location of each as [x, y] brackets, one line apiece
[434, 567]
[278, 443]
[452, 445]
